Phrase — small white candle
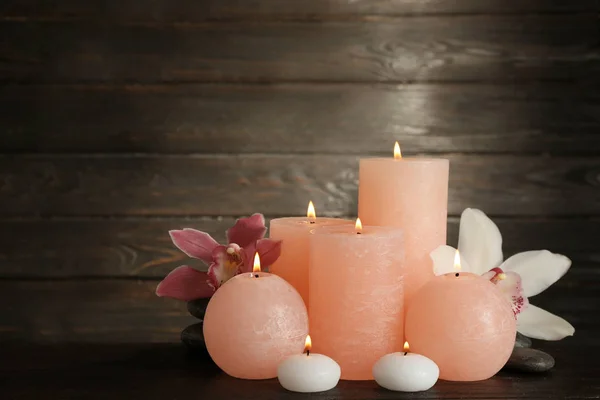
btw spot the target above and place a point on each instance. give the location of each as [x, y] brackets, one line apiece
[308, 372]
[406, 372]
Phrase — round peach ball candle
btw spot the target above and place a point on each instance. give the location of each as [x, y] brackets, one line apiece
[356, 295]
[292, 264]
[253, 322]
[464, 324]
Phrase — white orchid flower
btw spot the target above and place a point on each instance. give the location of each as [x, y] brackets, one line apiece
[521, 276]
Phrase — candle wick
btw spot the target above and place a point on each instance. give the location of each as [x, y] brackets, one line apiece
[358, 233]
[406, 352]
[456, 275]
[256, 276]
[307, 353]
[311, 222]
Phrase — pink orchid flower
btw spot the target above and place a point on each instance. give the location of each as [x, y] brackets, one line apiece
[244, 239]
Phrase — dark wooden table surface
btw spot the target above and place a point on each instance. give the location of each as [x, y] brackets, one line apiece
[168, 371]
[92, 358]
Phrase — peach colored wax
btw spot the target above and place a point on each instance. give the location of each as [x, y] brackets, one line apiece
[464, 324]
[356, 296]
[292, 264]
[411, 194]
[253, 323]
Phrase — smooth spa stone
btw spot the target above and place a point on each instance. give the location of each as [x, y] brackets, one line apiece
[193, 338]
[293, 263]
[410, 194]
[198, 307]
[522, 341]
[253, 323]
[529, 360]
[464, 324]
[356, 296]
[308, 373]
[406, 372]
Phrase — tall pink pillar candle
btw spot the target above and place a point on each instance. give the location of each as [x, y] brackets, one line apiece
[252, 323]
[411, 194]
[292, 264]
[463, 323]
[356, 308]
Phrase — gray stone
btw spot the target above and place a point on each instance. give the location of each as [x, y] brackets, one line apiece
[522, 341]
[193, 337]
[197, 307]
[529, 360]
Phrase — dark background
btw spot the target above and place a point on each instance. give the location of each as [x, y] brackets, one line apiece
[122, 119]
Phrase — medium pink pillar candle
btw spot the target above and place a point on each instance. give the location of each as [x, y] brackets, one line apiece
[411, 194]
[292, 264]
[464, 324]
[252, 323]
[356, 296]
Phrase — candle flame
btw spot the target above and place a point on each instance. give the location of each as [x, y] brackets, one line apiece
[358, 225]
[397, 152]
[406, 347]
[457, 266]
[256, 267]
[307, 344]
[310, 213]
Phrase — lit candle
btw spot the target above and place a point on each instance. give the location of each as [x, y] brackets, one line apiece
[292, 264]
[253, 322]
[406, 372]
[411, 194]
[308, 372]
[463, 323]
[356, 295]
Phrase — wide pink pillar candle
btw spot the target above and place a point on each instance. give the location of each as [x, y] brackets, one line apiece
[463, 323]
[252, 323]
[292, 264]
[356, 296]
[411, 194]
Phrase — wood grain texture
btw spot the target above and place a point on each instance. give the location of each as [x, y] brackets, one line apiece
[194, 11]
[89, 311]
[508, 48]
[231, 185]
[343, 119]
[142, 248]
[127, 311]
[160, 371]
[163, 371]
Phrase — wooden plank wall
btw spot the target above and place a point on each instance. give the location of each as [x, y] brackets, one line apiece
[122, 119]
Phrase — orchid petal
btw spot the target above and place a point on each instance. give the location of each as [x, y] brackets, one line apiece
[247, 230]
[268, 250]
[479, 241]
[510, 284]
[213, 280]
[185, 283]
[194, 243]
[443, 261]
[490, 274]
[540, 324]
[227, 264]
[539, 269]
[248, 253]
